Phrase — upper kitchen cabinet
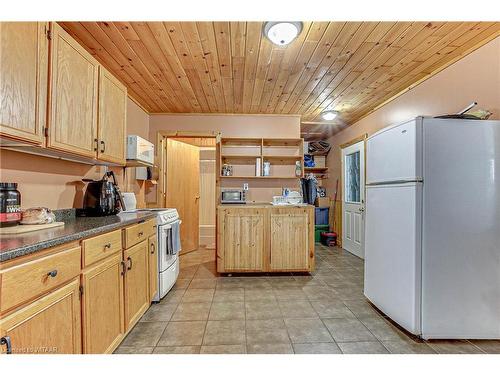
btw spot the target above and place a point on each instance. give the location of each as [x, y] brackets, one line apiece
[112, 118]
[23, 80]
[73, 97]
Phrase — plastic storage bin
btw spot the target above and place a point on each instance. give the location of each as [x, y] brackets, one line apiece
[317, 231]
[321, 215]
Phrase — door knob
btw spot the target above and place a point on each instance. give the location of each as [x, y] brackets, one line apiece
[361, 209]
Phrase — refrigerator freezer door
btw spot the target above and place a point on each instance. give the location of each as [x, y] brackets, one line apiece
[393, 251]
[461, 229]
[395, 153]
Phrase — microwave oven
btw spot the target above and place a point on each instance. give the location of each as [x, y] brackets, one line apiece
[233, 196]
[141, 150]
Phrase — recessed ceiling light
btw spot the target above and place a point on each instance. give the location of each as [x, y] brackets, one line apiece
[329, 115]
[282, 33]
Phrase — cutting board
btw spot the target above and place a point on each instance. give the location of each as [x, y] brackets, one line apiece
[18, 229]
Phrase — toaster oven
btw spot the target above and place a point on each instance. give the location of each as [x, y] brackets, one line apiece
[233, 196]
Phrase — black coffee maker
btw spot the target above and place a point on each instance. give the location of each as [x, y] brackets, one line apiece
[102, 197]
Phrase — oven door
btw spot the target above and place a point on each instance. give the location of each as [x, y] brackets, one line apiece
[165, 259]
[232, 196]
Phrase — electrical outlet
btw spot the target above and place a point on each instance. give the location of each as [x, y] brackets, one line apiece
[245, 186]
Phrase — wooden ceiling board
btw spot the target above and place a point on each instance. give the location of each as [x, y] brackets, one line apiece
[230, 67]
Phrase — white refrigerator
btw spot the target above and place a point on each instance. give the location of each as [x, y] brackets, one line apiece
[432, 229]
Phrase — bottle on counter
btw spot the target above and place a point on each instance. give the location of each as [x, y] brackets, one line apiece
[10, 204]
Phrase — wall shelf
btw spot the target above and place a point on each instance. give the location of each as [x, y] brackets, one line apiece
[316, 169]
[242, 155]
[261, 177]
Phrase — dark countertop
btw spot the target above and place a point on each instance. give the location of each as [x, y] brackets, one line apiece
[16, 245]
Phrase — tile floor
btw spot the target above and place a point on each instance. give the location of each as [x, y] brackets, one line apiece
[324, 312]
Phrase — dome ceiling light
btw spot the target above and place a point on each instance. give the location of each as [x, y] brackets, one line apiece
[282, 33]
[329, 115]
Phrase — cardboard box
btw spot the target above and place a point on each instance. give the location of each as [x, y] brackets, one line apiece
[319, 161]
[322, 202]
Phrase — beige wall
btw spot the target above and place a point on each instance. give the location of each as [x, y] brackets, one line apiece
[57, 183]
[44, 181]
[473, 78]
[229, 125]
[259, 126]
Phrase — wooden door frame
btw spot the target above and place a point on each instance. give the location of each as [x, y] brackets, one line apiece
[362, 138]
[161, 158]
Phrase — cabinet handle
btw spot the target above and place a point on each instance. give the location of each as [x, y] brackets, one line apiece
[107, 246]
[152, 248]
[6, 341]
[140, 234]
[124, 268]
[52, 273]
[129, 259]
[96, 141]
[103, 147]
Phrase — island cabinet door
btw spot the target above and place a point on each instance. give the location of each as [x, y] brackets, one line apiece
[153, 267]
[49, 325]
[244, 240]
[74, 80]
[136, 283]
[289, 239]
[103, 307]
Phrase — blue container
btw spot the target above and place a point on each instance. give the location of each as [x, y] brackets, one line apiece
[321, 215]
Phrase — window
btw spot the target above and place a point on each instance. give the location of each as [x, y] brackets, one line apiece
[352, 178]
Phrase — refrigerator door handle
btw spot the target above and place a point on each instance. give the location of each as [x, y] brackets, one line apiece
[394, 182]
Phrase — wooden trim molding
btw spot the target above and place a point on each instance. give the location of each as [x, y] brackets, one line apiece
[362, 137]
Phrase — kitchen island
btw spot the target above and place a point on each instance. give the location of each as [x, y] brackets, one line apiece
[264, 238]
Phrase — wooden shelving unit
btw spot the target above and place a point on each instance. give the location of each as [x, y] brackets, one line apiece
[316, 169]
[242, 154]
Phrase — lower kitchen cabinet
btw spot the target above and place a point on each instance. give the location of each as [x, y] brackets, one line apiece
[103, 305]
[153, 266]
[289, 239]
[243, 239]
[265, 238]
[50, 324]
[136, 282]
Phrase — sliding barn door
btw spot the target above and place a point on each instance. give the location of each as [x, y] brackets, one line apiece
[183, 189]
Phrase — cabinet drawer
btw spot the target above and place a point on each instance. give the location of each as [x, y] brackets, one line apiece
[135, 234]
[100, 247]
[151, 227]
[21, 283]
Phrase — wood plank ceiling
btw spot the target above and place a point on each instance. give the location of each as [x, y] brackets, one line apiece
[230, 67]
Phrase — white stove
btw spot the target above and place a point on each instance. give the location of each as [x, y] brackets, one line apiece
[168, 240]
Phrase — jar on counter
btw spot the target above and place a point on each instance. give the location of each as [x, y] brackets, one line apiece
[10, 204]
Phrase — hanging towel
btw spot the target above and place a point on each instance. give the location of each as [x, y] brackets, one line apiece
[175, 238]
[167, 246]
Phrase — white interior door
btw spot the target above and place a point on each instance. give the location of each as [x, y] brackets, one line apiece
[353, 198]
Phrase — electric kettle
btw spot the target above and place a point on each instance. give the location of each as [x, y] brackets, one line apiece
[102, 197]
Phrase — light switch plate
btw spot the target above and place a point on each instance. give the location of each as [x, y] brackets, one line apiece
[245, 186]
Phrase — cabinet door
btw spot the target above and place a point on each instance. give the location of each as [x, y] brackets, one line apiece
[112, 118]
[49, 325]
[289, 239]
[136, 283]
[153, 266]
[103, 307]
[73, 113]
[23, 80]
[244, 239]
